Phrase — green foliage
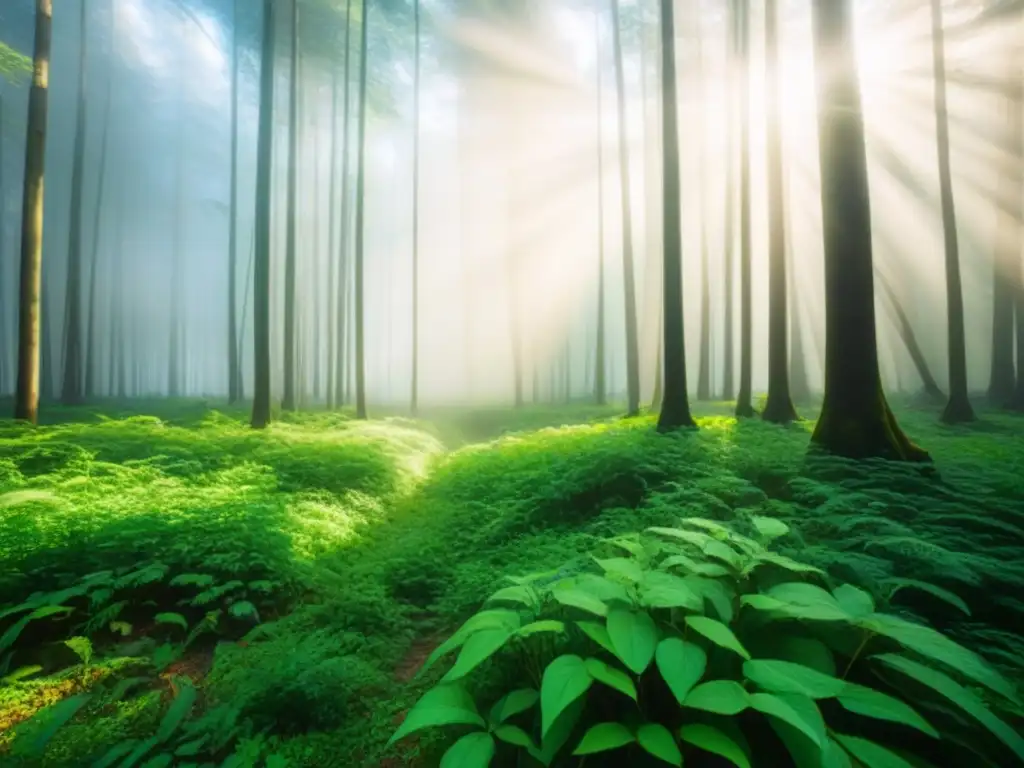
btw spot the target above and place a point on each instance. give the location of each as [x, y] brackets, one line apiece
[721, 646]
[13, 65]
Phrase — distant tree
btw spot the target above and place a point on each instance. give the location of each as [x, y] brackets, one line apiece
[905, 330]
[289, 402]
[855, 421]
[344, 238]
[92, 361]
[234, 362]
[744, 406]
[600, 366]
[261, 276]
[729, 233]
[704, 369]
[416, 210]
[675, 409]
[361, 221]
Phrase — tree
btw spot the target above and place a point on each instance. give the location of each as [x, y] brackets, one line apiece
[290, 363]
[855, 421]
[728, 255]
[779, 405]
[600, 387]
[261, 245]
[26, 400]
[744, 407]
[704, 368]
[341, 357]
[91, 335]
[675, 409]
[234, 363]
[416, 212]
[361, 222]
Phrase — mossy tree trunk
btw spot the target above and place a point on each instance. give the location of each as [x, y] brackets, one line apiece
[855, 421]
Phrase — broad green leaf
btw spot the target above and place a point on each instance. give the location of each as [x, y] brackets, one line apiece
[559, 732]
[934, 645]
[172, 618]
[695, 538]
[718, 633]
[474, 750]
[513, 734]
[634, 548]
[834, 756]
[517, 594]
[768, 527]
[723, 552]
[577, 598]
[115, 753]
[11, 635]
[159, 761]
[663, 590]
[598, 633]
[442, 705]
[722, 697]
[869, 754]
[601, 587]
[778, 676]
[634, 638]
[623, 567]
[177, 712]
[244, 609]
[681, 665]
[712, 526]
[774, 706]
[612, 677]
[807, 601]
[201, 580]
[604, 737]
[82, 648]
[808, 651]
[787, 563]
[923, 586]
[497, 618]
[658, 740]
[511, 704]
[686, 563]
[190, 748]
[475, 651]
[21, 673]
[960, 696]
[53, 718]
[536, 627]
[712, 740]
[854, 601]
[871, 703]
[565, 679]
[716, 593]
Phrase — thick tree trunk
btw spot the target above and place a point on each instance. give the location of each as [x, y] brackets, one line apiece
[629, 279]
[675, 410]
[234, 363]
[289, 401]
[360, 340]
[744, 406]
[261, 245]
[779, 405]
[855, 419]
[26, 400]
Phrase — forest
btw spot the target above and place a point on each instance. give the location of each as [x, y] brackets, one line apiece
[512, 383]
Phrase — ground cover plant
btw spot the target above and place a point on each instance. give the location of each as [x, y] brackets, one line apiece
[177, 588]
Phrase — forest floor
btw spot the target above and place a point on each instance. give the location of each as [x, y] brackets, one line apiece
[339, 553]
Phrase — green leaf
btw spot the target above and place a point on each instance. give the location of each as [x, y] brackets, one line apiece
[53, 718]
[577, 598]
[712, 740]
[82, 647]
[201, 580]
[808, 651]
[690, 537]
[601, 587]
[243, 609]
[21, 673]
[565, 679]
[871, 755]
[834, 756]
[476, 650]
[722, 697]
[490, 619]
[172, 618]
[159, 761]
[604, 737]
[786, 563]
[718, 633]
[768, 527]
[474, 750]
[806, 601]
[787, 677]
[934, 645]
[853, 600]
[442, 705]
[536, 627]
[511, 704]
[190, 748]
[123, 628]
[931, 589]
[774, 706]
[518, 594]
[634, 638]
[658, 740]
[177, 712]
[559, 732]
[715, 592]
[723, 552]
[681, 664]
[623, 567]
[612, 677]
[514, 735]
[960, 696]
[663, 590]
[115, 753]
[871, 703]
[598, 633]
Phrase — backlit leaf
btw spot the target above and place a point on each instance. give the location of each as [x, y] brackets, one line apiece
[869, 754]
[775, 706]
[577, 598]
[511, 704]
[871, 703]
[477, 649]
[474, 750]
[779, 676]
[442, 705]
[598, 633]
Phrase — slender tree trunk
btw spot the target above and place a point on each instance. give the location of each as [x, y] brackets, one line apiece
[629, 280]
[26, 400]
[177, 314]
[779, 405]
[415, 398]
[905, 330]
[855, 421]
[92, 360]
[800, 386]
[72, 386]
[234, 372]
[704, 372]
[728, 341]
[3, 265]
[290, 362]
[340, 373]
[361, 222]
[675, 410]
[958, 408]
[658, 397]
[744, 407]
[261, 246]
[600, 383]
[1012, 225]
[332, 243]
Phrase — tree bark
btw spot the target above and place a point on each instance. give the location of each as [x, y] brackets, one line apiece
[728, 349]
[290, 363]
[360, 340]
[415, 395]
[234, 374]
[91, 356]
[600, 383]
[744, 407]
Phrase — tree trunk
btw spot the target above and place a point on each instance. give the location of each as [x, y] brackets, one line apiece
[261, 245]
[91, 356]
[360, 340]
[728, 352]
[71, 388]
[800, 385]
[600, 383]
[855, 421]
[629, 280]
[675, 410]
[26, 400]
[3, 267]
[744, 407]
[704, 372]
[290, 362]
[779, 405]
[340, 377]
[905, 329]
[333, 298]
[415, 396]
[234, 364]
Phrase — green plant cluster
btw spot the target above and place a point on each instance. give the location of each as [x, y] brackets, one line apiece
[670, 647]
